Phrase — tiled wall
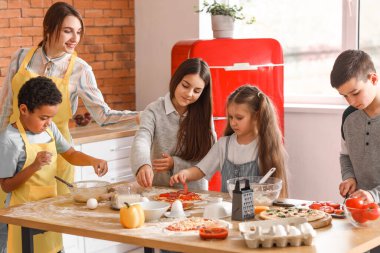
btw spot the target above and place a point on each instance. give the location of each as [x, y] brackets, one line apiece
[108, 45]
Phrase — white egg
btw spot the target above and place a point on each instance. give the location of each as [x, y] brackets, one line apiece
[280, 230]
[294, 231]
[92, 203]
[306, 228]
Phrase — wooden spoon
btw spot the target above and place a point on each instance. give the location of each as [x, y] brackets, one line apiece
[64, 181]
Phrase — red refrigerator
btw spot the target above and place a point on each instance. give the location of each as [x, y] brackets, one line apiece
[235, 62]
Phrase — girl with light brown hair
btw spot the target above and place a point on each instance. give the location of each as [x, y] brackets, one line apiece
[252, 144]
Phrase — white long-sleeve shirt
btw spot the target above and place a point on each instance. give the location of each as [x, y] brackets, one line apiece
[157, 134]
[82, 84]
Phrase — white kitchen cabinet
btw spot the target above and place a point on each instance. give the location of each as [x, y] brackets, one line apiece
[117, 153]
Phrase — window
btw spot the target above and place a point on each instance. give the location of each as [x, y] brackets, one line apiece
[369, 34]
[312, 34]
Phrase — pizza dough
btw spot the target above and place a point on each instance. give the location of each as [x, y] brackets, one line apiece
[194, 223]
[285, 212]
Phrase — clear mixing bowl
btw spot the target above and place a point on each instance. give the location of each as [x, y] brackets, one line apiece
[263, 194]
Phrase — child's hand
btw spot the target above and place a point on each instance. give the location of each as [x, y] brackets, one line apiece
[100, 167]
[145, 176]
[164, 164]
[347, 186]
[364, 195]
[180, 177]
[42, 158]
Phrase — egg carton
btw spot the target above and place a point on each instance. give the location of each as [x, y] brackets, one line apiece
[295, 231]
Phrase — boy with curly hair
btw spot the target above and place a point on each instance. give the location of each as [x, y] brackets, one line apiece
[28, 150]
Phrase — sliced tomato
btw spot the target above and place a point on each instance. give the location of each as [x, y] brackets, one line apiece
[339, 211]
[315, 206]
[371, 211]
[333, 205]
[354, 203]
[213, 233]
[327, 209]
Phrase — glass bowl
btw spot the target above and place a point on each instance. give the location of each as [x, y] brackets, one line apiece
[263, 194]
[362, 217]
[84, 190]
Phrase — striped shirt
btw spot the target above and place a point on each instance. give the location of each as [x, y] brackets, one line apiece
[82, 84]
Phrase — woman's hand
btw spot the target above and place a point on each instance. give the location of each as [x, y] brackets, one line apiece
[348, 186]
[145, 176]
[180, 177]
[163, 164]
[42, 158]
[100, 167]
[364, 195]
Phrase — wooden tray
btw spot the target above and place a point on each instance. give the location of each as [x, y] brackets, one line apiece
[324, 222]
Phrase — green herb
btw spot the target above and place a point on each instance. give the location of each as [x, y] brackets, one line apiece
[233, 11]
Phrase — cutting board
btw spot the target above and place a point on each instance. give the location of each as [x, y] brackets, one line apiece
[323, 222]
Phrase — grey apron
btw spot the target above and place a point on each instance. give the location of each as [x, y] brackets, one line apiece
[231, 170]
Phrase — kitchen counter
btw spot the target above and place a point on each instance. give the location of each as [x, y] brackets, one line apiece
[93, 132]
[60, 214]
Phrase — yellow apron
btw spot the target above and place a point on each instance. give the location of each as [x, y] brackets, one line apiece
[64, 169]
[41, 185]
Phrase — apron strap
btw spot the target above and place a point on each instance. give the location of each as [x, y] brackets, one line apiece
[22, 132]
[70, 67]
[27, 58]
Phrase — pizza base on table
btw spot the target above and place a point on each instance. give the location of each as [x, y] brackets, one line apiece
[285, 212]
[178, 195]
[193, 223]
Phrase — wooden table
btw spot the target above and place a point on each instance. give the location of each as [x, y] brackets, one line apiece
[60, 214]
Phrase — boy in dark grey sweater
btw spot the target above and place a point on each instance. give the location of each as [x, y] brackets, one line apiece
[355, 78]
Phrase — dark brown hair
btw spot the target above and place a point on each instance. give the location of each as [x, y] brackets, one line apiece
[271, 148]
[37, 92]
[351, 64]
[194, 137]
[54, 18]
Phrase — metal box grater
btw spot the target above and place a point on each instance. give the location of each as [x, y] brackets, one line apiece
[242, 202]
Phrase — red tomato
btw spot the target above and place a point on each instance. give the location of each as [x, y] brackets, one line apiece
[354, 203]
[315, 206]
[327, 209]
[339, 211]
[213, 233]
[333, 205]
[358, 216]
[371, 211]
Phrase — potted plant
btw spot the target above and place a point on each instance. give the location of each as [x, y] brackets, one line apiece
[223, 17]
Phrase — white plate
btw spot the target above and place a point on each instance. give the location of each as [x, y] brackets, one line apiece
[169, 215]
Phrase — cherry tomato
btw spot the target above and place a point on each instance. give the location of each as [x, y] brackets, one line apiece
[354, 203]
[315, 206]
[371, 211]
[358, 216]
[213, 233]
[339, 211]
[327, 209]
[333, 205]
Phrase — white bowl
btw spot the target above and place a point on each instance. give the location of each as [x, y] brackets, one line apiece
[263, 194]
[153, 210]
[218, 210]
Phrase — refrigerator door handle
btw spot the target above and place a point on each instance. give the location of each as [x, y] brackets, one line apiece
[245, 66]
